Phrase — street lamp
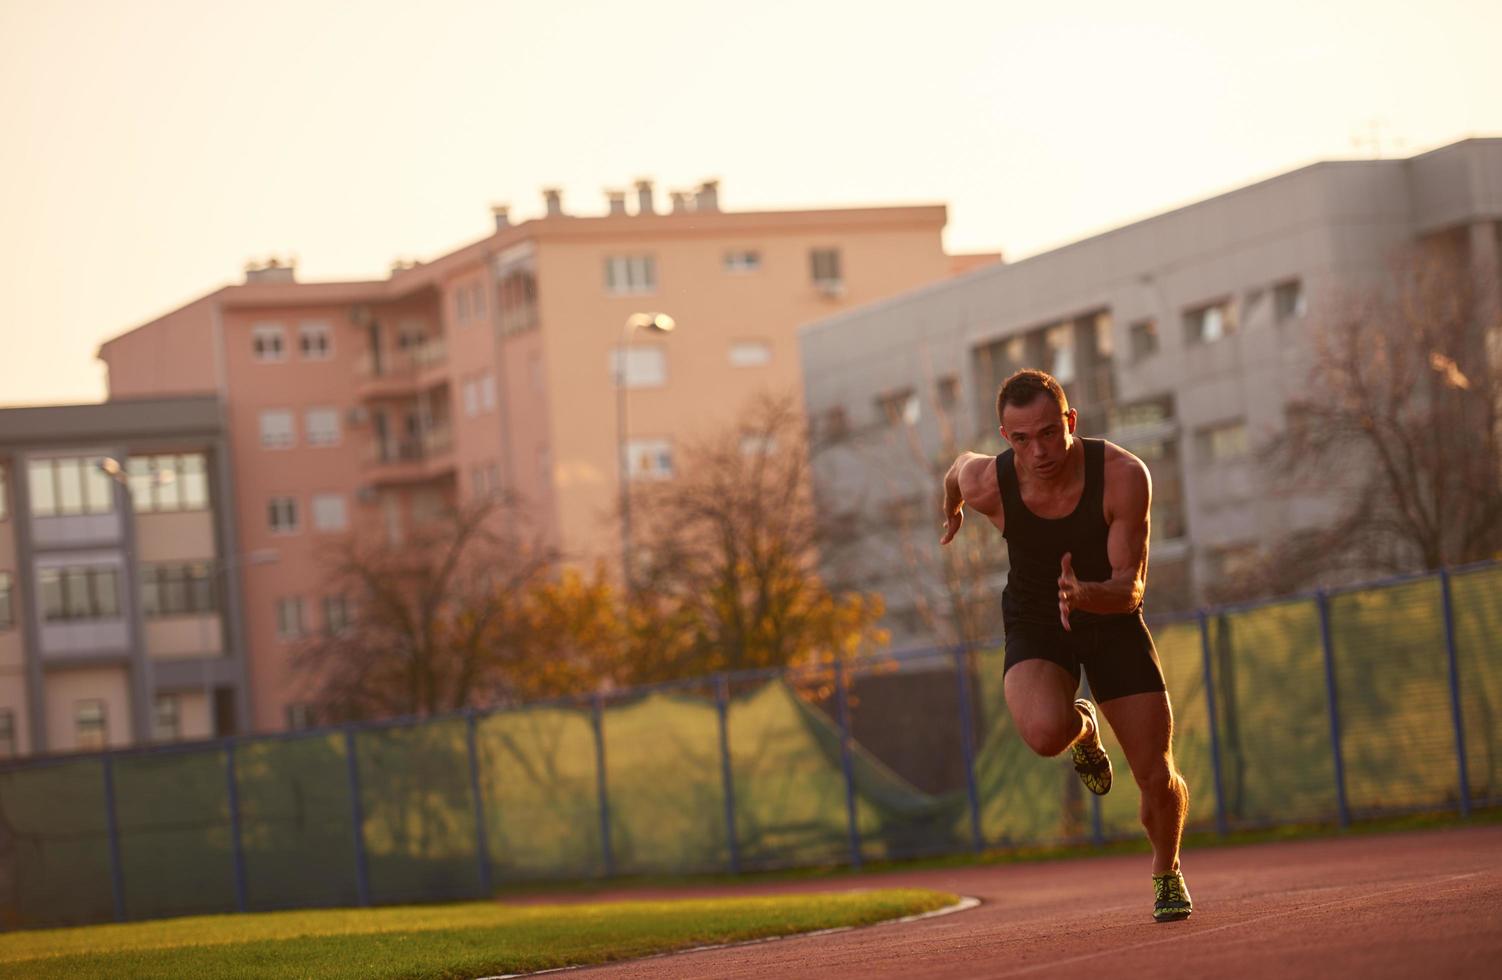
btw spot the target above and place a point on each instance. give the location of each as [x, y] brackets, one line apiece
[657, 323]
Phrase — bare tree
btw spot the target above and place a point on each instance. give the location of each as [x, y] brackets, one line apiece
[1403, 419]
[728, 574]
[439, 620]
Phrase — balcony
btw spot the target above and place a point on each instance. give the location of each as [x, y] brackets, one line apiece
[402, 372]
[413, 459]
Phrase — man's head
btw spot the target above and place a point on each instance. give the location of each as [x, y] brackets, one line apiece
[1037, 420]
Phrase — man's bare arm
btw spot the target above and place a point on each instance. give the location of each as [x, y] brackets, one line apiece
[1129, 502]
[969, 481]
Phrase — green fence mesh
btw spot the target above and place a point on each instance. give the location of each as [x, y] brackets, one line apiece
[664, 781]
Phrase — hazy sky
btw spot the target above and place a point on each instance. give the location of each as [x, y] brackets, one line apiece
[148, 148]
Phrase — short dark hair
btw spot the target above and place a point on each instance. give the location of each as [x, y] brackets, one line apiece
[1024, 386]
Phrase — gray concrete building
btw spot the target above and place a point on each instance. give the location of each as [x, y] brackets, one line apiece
[1185, 337]
[120, 620]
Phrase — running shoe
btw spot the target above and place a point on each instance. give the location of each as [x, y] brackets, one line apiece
[1170, 897]
[1090, 759]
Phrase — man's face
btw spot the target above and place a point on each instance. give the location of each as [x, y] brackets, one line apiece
[1040, 434]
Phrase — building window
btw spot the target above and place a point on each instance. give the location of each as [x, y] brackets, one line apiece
[321, 426]
[282, 515]
[410, 335]
[478, 303]
[487, 393]
[329, 512]
[90, 724]
[7, 607]
[1207, 324]
[630, 274]
[901, 406]
[178, 589]
[649, 459]
[1222, 442]
[824, 269]
[316, 340]
[1144, 335]
[166, 720]
[277, 429]
[947, 392]
[1058, 343]
[178, 481]
[750, 353]
[335, 614]
[646, 367]
[1288, 300]
[289, 621]
[267, 342]
[471, 393]
[70, 487]
[1142, 414]
[461, 304]
[7, 734]
[742, 260]
[299, 717]
[755, 444]
[79, 593]
[1162, 459]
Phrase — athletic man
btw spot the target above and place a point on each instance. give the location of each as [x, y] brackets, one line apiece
[1074, 513]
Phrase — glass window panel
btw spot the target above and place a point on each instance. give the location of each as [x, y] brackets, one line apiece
[106, 592]
[138, 476]
[77, 603]
[194, 482]
[42, 478]
[51, 581]
[98, 488]
[174, 590]
[69, 486]
[151, 594]
[201, 589]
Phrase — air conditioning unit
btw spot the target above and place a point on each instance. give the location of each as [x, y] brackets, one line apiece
[358, 415]
[830, 288]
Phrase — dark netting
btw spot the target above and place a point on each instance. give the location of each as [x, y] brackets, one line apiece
[1024, 798]
[1275, 753]
[909, 763]
[542, 804]
[419, 811]
[295, 822]
[790, 804]
[1396, 729]
[665, 782]
[176, 855]
[54, 846]
[1476, 598]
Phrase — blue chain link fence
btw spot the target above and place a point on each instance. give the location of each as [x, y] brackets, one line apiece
[1333, 707]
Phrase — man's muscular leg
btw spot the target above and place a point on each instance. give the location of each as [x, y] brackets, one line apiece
[1143, 724]
[1040, 696]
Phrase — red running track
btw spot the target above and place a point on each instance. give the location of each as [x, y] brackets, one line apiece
[1396, 905]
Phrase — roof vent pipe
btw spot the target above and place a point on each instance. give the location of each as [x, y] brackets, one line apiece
[554, 198]
[644, 202]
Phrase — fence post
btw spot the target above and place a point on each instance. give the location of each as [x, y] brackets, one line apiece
[842, 706]
[482, 846]
[117, 871]
[1221, 824]
[1455, 709]
[356, 817]
[601, 787]
[967, 744]
[237, 844]
[727, 775]
[1323, 601]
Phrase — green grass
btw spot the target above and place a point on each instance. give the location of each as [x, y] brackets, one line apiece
[469, 940]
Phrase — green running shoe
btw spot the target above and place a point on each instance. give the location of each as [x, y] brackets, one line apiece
[1170, 897]
[1090, 760]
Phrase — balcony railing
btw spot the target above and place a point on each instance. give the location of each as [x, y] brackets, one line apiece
[405, 364]
[437, 441]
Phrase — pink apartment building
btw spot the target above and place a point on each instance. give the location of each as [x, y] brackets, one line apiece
[375, 404]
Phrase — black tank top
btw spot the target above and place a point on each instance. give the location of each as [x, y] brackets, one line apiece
[1036, 545]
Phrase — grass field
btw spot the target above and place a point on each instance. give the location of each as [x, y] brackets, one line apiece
[469, 940]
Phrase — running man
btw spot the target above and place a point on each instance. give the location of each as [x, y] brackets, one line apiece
[1074, 513]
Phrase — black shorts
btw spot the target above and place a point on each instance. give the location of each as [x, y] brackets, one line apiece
[1117, 653]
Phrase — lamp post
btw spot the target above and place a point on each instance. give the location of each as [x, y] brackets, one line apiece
[658, 323]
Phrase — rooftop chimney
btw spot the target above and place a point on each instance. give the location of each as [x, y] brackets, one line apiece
[680, 201]
[708, 198]
[644, 202]
[272, 270]
[554, 198]
[617, 202]
[502, 215]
